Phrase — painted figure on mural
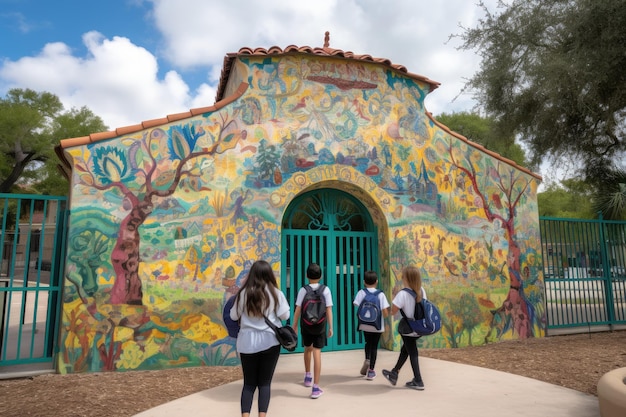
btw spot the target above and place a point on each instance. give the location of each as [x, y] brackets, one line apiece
[258, 348]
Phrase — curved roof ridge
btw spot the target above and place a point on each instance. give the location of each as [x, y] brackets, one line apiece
[310, 50]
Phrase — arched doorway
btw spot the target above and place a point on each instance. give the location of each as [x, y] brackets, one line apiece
[333, 229]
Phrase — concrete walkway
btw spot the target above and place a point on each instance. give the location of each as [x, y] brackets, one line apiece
[451, 390]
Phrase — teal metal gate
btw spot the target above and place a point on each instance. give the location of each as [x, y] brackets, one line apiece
[33, 248]
[584, 269]
[334, 230]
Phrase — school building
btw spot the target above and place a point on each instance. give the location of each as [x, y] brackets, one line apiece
[309, 154]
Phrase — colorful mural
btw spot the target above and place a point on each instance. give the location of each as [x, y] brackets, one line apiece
[166, 220]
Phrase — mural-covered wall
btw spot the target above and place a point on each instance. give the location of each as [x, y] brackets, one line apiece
[167, 218]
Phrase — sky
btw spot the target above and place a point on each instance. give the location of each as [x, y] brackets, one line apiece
[135, 60]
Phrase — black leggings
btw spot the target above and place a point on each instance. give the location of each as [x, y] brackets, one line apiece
[258, 370]
[409, 350]
[371, 347]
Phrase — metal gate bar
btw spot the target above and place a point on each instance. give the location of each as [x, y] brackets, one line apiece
[342, 263]
[584, 272]
[33, 246]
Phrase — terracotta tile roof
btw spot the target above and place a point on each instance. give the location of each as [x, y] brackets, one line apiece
[308, 50]
[146, 124]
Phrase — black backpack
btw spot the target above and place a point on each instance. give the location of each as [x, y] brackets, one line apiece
[231, 326]
[369, 312]
[313, 316]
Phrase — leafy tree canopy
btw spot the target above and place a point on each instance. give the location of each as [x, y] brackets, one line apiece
[572, 199]
[552, 72]
[610, 195]
[483, 130]
[31, 125]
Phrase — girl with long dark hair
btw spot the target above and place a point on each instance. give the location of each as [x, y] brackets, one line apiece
[258, 348]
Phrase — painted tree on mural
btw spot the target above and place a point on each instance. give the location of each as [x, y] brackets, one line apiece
[157, 164]
[499, 189]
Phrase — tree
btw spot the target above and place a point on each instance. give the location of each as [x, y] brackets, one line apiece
[499, 199]
[610, 195]
[71, 124]
[572, 199]
[157, 164]
[31, 123]
[552, 72]
[482, 130]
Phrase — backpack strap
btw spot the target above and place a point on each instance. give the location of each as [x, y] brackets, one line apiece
[410, 291]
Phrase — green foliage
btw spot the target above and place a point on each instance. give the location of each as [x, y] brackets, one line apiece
[552, 72]
[610, 195]
[571, 199]
[483, 130]
[31, 125]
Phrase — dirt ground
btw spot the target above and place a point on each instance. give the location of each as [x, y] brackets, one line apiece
[575, 361]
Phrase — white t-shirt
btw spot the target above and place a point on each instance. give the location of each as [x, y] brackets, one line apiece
[360, 295]
[405, 301]
[254, 334]
[327, 295]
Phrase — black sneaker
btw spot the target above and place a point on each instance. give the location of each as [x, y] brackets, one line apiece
[418, 385]
[392, 376]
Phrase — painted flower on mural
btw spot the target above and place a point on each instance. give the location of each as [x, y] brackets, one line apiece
[183, 140]
[109, 165]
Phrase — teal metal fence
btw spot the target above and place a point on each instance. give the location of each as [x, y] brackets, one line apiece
[585, 273]
[31, 263]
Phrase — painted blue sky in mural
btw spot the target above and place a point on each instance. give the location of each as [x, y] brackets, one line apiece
[135, 60]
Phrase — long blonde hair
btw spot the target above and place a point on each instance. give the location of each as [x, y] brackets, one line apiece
[413, 279]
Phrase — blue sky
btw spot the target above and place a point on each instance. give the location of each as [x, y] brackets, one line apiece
[135, 60]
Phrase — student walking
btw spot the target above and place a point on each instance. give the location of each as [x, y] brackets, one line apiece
[411, 278]
[314, 314]
[257, 345]
[373, 308]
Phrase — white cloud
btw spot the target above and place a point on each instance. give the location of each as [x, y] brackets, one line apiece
[117, 80]
[121, 82]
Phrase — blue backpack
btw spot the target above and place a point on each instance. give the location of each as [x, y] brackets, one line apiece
[369, 312]
[427, 317]
[232, 326]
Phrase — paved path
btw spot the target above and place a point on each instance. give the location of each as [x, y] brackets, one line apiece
[451, 390]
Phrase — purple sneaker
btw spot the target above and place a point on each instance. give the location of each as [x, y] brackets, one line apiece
[316, 392]
[308, 380]
[371, 374]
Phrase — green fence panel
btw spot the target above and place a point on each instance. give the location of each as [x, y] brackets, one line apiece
[33, 235]
[583, 262]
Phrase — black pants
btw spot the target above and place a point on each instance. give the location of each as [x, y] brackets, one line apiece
[258, 370]
[371, 347]
[409, 350]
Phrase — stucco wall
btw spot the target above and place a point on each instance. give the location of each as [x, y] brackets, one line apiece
[165, 222]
